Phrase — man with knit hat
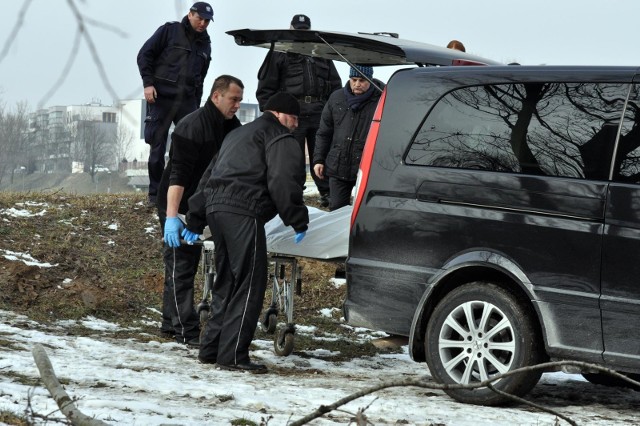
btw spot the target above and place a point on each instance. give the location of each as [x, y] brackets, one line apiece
[256, 176]
[343, 131]
[311, 81]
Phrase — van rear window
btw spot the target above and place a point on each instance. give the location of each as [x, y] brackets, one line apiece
[554, 129]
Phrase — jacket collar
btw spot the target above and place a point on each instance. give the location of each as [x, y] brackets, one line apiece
[191, 33]
[213, 110]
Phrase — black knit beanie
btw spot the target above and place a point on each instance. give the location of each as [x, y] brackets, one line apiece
[283, 102]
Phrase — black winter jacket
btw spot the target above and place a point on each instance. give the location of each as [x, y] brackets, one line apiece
[257, 174]
[299, 75]
[342, 134]
[195, 142]
[175, 60]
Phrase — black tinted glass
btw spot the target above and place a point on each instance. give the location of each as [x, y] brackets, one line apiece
[628, 156]
[555, 129]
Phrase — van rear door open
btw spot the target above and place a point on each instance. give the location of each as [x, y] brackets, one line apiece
[361, 48]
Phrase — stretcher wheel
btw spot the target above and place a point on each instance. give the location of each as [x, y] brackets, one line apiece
[270, 321]
[204, 316]
[283, 343]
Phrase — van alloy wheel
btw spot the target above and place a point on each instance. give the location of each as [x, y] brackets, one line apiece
[476, 332]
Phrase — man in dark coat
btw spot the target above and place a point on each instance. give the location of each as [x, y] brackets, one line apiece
[195, 142]
[311, 81]
[173, 64]
[343, 131]
[255, 177]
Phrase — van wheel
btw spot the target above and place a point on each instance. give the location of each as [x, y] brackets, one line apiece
[477, 331]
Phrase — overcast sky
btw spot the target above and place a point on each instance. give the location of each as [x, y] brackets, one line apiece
[552, 32]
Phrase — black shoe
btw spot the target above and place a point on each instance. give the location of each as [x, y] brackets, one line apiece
[167, 333]
[206, 361]
[249, 367]
[324, 200]
[151, 203]
[194, 341]
[340, 272]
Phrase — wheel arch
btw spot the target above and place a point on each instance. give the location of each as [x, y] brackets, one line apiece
[470, 267]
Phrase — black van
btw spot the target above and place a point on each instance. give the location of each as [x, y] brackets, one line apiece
[497, 220]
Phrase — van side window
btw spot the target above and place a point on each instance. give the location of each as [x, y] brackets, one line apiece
[553, 129]
[628, 155]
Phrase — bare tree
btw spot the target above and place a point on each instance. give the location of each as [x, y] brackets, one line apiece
[93, 142]
[14, 127]
[124, 140]
[96, 144]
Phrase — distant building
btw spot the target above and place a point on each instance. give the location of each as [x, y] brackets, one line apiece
[70, 138]
[60, 135]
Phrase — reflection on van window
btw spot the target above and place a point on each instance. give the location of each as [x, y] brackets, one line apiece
[554, 129]
[628, 157]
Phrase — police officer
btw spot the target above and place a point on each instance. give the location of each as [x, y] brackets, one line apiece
[255, 177]
[310, 81]
[195, 142]
[173, 64]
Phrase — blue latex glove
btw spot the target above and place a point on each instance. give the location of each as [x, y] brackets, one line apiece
[299, 236]
[172, 228]
[189, 236]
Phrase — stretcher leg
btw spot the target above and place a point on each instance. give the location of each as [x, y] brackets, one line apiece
[282, 302]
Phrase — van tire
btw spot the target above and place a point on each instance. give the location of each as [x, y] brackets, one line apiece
[515, 344]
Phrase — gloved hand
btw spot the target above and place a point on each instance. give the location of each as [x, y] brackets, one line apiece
[299, 236]
[172, 228]
[189, 236]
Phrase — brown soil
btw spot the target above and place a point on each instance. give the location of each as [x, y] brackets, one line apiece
[106, 252]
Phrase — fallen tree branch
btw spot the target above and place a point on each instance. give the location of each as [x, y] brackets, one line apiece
[425, 382]
[65, 403]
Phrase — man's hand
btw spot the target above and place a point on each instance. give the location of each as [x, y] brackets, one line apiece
[299, 236]
[150, 94]
[189, 236]
[319, 170]
[172, 229]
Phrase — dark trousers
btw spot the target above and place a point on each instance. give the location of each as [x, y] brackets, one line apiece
[306, 131]
[238, 291]
[180, 267]
[340, 192]
[160, 115]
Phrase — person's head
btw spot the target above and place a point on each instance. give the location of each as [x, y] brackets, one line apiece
[300, 22]
[226, 95]
[359, 76]
[286, 109]
[200, 15]
[456, 45]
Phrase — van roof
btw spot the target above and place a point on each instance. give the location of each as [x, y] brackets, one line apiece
[361, 48]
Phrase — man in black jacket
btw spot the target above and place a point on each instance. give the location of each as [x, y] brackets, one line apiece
[195, 142]
[173, 63]
[255, 177]
[311, 81]
[344, 126]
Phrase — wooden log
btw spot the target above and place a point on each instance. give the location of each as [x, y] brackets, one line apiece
[65, 403]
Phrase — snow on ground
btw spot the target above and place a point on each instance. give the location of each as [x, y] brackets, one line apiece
[129, 382]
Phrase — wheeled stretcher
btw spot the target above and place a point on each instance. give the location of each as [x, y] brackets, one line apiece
[327, 240]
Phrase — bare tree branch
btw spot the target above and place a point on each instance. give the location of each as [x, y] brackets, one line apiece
[65, 403]
[532, 404]
[106, 26]
[425, 382]
[92, 49]
[15, 30]
[65, 72]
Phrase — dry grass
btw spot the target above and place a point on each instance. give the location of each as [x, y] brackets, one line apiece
[107, 252]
